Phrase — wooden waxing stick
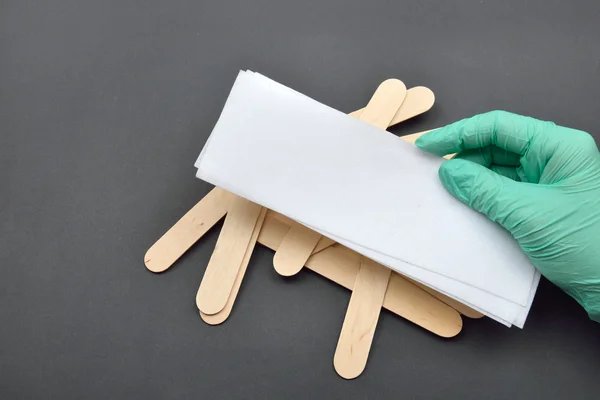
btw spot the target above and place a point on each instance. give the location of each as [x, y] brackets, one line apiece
[192, 226]
[372, 280]
[301, 241]
[222, 315]
[419, 99]
[226, 260]
[361, 319]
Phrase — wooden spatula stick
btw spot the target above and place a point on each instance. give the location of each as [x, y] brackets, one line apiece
[372, 279]
[222, 315]
[226, 260]
[188, 230]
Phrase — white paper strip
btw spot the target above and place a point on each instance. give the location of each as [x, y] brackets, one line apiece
[366, 188]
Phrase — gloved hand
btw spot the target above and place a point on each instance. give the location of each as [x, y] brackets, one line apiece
[538, 180]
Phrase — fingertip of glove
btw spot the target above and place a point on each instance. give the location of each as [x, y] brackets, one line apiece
[426, 140]
[420, 142]
[455, 167]
[437, 142]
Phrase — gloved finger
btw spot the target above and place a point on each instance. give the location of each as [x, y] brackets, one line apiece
[508, 131]
[489, 155]
[508, 171]
[482, 189]
[474, 155]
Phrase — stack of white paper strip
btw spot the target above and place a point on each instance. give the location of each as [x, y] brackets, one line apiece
[367, 189]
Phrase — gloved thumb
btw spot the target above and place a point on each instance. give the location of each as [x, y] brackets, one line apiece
[483, 190]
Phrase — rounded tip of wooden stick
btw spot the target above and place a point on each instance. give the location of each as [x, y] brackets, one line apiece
[347, 369]
[152, 262]
[450, 332]
[426, 96]
[283, 267]
[215, 319]
[208, 305]
[393, 83]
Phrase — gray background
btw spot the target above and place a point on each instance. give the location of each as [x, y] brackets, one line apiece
[104, 106]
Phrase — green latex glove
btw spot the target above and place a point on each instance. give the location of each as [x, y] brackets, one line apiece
[538, 180]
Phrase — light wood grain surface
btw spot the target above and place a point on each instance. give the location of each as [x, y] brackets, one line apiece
[188, 230]
[361, 319]
[296, 247]
[226, 259]
[371, 282]
[222, 315]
